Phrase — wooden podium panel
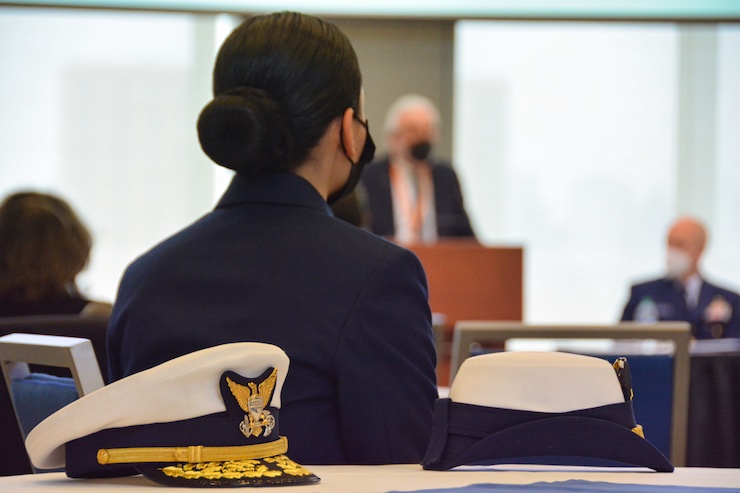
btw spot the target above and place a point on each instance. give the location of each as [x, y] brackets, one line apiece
[468, 281]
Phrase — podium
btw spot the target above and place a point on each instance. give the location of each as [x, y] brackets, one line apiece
[469, 281]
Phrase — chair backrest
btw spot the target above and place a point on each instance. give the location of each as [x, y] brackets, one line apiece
[91, 327]
[34, 397]
[467, 333]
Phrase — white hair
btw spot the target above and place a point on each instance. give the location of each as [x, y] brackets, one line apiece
[405, 103]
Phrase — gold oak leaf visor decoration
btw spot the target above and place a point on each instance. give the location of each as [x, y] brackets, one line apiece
[261, 461]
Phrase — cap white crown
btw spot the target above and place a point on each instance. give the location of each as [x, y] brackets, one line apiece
[183, 388]
[548, 382]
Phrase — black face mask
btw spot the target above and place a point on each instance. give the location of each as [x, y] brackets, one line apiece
[421, 150]
[367, 154]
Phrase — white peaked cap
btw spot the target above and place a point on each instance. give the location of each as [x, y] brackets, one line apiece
[183, 388]
[536, 381]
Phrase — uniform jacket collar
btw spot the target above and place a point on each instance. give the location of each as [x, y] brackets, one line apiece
[277, 188]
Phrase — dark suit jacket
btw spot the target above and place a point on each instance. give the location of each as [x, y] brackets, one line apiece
[671, 305]
[452, 220]
[271, 264]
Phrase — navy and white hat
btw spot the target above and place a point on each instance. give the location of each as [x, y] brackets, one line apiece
[209, 418]
[539, 408]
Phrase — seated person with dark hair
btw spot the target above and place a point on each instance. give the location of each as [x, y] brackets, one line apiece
[43, 246]
[272, 264]
[683, 294]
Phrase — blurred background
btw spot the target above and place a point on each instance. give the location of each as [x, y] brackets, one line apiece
[578, 135]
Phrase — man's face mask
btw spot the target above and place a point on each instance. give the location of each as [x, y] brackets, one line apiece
[420, 151]
[367, 154]
[678, 263]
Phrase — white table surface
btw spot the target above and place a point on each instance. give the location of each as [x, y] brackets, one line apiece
[380, 479]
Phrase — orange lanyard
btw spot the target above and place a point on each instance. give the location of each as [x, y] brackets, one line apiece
[413, 210]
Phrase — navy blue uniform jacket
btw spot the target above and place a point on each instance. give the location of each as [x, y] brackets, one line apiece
[271, 264]
[452, 220]
[671, 305]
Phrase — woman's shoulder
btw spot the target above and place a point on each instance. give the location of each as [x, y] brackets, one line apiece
[373, 249]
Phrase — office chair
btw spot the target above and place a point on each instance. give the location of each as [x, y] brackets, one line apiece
[91, 327]
[35, 396]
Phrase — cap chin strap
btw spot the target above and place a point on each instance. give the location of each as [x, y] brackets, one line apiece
[191, 454]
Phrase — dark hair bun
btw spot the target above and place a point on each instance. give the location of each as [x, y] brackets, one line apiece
[245, 130]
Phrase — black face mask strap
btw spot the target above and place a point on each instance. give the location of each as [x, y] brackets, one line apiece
[368, 149]
[367, 154]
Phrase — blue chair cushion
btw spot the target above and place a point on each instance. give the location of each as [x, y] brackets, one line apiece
[652, 383]
[38, 396]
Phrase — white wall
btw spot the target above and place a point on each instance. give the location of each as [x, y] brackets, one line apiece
[565, 138]
[100, 108]
[724, 255]
[567, 142]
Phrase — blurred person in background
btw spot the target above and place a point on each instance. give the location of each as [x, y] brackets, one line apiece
[43, 247]
[683, 294]
[412, 196]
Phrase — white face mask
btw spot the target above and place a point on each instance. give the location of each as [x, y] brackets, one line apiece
[678, 263]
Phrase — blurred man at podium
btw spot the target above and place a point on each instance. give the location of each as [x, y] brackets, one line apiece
[683, 294]
[411, 196]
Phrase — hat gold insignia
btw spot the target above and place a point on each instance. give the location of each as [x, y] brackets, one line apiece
[253, 399]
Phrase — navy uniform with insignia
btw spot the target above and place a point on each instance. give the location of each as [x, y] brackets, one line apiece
[683, 295]
[716, 314]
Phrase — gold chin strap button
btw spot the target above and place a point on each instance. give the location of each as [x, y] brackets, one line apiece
[103, 456]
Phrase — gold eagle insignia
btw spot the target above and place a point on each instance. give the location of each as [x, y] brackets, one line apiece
[253, 399]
